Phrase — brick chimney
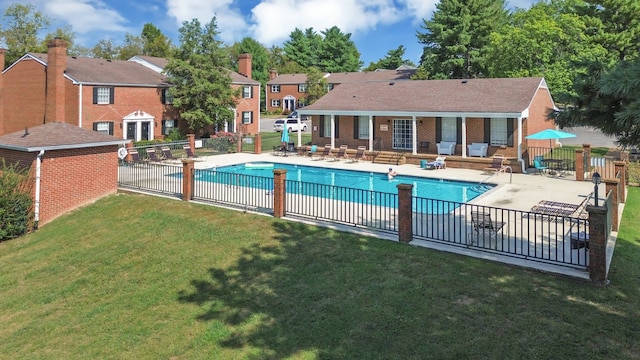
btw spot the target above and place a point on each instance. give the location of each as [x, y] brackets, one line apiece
[55, 95]
[2, 55]
[244, 65]
[273, 74]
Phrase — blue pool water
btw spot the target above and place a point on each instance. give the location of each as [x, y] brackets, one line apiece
[438, 189]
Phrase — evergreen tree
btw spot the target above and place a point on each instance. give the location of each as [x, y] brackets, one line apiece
[393, 60]
[202, 93]
[303, 47]
[259, 62]
[338, 53]
[455, 39]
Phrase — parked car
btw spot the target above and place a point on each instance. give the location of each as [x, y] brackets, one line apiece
[292, 123]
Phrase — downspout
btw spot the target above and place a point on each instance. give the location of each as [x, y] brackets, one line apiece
[520, 160]
[36, 216]
[80, 107]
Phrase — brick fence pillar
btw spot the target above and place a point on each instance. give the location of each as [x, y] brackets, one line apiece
[257, 144]
[598, 244]
[187, 179]
[191, 138]
[405, 213]
[621, 167]
[279, 192]
[239, 143]
[587, 157]
[579, 164]
[613, 186]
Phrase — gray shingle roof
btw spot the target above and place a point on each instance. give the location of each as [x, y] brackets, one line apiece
[56, 136]
[347, 77]
[512, 95]
[104, 72]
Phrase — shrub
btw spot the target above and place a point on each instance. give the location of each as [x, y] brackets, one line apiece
[16, 204]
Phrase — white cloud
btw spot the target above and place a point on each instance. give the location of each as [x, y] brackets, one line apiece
[230, 21]
[421, 9]
[86, 15]
[274, 20]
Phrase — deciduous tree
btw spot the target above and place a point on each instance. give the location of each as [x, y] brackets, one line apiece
[20, 28]
[155, 42]
[202, 92]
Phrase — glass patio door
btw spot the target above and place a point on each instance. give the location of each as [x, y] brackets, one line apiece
[402, 134]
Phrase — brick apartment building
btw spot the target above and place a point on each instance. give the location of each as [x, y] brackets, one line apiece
[126, 99]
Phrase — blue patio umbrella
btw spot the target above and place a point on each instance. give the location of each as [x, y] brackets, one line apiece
[285, 134]
[550, 134]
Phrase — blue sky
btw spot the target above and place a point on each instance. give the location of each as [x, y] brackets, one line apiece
[376, 26]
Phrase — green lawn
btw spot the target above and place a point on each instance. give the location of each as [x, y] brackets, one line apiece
[142, 277]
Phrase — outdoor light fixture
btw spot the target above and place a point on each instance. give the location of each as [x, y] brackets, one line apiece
[596, 179]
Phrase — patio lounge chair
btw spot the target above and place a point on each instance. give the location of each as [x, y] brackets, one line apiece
[151, 154]
[342, 152]
[280, 150]
[359, 155]
[312, 150]
[483, 226]
[438, 163]
[135, 157]
[190, 154]
[166, 153]
[497, 165]
[323, 155]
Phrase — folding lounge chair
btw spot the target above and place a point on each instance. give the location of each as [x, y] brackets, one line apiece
[323, 155]
[312, 150]
[497, 165]
[166, 153]
[190, 153]
[151, 154]
[342, 152]
[438, 163]
[135, 157]
[483, 226]
[359, 154]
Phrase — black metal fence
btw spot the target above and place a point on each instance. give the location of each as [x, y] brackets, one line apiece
[557, 239]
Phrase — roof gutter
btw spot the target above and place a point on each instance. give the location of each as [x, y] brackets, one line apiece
[65, 147]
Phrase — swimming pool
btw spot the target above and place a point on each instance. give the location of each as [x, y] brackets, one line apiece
[368, 182]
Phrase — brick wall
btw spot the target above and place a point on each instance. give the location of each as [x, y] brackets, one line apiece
[248, 104]
[537, 120]
[70, 178]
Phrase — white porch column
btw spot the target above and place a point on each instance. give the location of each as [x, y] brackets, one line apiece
[299, 132]
[333, 131]
[414, 136]
[464, 136]
[520, 160]
[370, 132]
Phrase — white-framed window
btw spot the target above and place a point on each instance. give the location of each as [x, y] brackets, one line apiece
[449, 129]
[246, 92]
[329, 87]
[302, 88]
[105, 127]
[247, 117]
[102, 95]
[403, 134]
[275, 102]
[363, 127]
[168, 125]
[275, 88]
[499, 133]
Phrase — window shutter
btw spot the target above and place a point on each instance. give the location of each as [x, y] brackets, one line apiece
[322, 125]
[438, 129]
[111, 128]
[95, 126]
[163, 97]
[356, 127]
[251, 96]
[95, 96]
[164, 128]
[487, 130]
[510, 131]
[337, 123]
[459, 130]
[111, 95]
